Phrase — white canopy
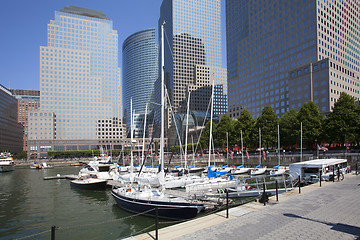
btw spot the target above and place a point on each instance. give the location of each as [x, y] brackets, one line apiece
[296, 168]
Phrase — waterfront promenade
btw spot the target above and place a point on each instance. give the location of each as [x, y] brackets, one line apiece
[328, 212]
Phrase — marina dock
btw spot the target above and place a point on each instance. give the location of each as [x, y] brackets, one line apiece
[71, 177]
[327, 212]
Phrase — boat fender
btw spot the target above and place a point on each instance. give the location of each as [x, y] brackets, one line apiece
[220, 190]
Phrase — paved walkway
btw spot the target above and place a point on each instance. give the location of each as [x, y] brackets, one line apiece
[328, 212]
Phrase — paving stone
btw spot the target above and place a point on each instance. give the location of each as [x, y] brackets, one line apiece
[328, 212]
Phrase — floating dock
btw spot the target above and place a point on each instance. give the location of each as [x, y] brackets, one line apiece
[71, 177]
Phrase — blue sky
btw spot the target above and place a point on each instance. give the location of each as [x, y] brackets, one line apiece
[24, 30]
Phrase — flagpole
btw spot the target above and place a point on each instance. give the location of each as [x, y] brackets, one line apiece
[227, 148]
[301, 143]
[279, 143]
[242, 148]
[260, 145]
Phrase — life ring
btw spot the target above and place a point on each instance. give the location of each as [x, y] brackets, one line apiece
[248, 187]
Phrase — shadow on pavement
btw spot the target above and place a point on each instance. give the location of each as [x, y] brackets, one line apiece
[353, 230]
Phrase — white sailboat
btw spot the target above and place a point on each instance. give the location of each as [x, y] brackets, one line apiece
[146, 200]
[241, 169]
[278, 169]
[258, 170]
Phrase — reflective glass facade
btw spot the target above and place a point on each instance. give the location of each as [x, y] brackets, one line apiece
[140, 70]
[276, 52]
[79, 73]
[193, 37]
[11, 137]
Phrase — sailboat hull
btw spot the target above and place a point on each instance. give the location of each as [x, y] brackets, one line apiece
[167, 210]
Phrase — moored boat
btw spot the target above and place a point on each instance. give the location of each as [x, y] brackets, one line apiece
[35, 165]
[89, 181]
[7, 163]
[146, 200]
[76, 164]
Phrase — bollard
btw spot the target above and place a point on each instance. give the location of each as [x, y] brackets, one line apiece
[333, 173]
[338, 173]
[277, 191]
[299, 185]
[156, 223]
[356, 168]
[53, 228]
[320, 177]
[264, 194]
[227, 203]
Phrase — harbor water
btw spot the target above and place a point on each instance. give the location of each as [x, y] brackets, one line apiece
[29, 206]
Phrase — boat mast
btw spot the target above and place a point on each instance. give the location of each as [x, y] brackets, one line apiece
[211, 120]
[161, 167]
[192, 146]
[186, 129]
[131, 145]
[143, 146]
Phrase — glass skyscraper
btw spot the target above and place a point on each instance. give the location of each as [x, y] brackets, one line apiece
[192, 37]
[140, 70]
[285, 53]
[79, 73]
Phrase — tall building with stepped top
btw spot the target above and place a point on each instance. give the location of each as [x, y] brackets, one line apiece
[285, 53]
[80, 85]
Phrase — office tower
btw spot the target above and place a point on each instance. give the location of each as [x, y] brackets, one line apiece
[28, 100]
[140, 71]
[285, 53]
[192, 38]
[79, 74]
[11, 137]
[80, 90]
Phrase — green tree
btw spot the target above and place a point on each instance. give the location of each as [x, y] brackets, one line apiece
[268, 122]
[247, 124]
[205, 134]
[223, 128]
[358, 125]
[21, 155]
[289, 129]
[311, 119]
[342, 123]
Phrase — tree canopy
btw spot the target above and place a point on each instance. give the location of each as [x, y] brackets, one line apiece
[341, 126]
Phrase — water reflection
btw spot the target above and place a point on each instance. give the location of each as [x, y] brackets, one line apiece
[90, 195]
[31, 205]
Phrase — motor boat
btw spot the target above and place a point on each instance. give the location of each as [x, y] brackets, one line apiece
[44, 165]
[7, 163]
[35, 165]
[89, 181]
